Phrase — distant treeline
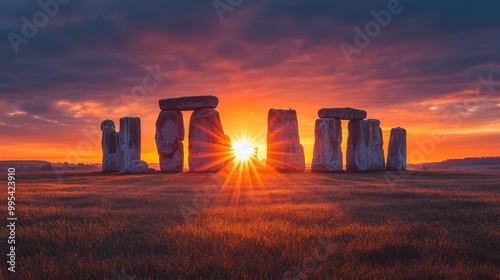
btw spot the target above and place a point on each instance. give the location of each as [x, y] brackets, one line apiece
[38, 165]
[488, 162]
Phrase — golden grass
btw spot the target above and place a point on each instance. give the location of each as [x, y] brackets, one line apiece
[434, 225]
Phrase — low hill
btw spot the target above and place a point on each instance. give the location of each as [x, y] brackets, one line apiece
[23, 165]
[480, 163]
[40, 165]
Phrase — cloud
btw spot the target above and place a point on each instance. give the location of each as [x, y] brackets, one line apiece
[266, 53]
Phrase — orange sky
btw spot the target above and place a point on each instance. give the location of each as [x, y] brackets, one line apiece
[420, 72]
[244, 114]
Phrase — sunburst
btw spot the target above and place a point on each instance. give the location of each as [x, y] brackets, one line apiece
[243, 150]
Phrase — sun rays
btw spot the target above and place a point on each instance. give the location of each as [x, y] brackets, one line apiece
[243, 150]
[242, 179]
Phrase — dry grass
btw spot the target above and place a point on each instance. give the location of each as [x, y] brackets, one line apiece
[434, 225]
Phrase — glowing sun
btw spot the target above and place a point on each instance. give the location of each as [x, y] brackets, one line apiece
[243, 150]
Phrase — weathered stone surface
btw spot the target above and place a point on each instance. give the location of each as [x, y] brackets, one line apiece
[109, 143]
[377, 162]
[130, 141]
[188, 103]
[173, 163]
[358, 146]
[227, 140]
[108, 125]
[396, 156]
[297, 159]
[136, 166]
[284, 152]
[346, 113]
[208, 148]
[169, 130]
[327, 155]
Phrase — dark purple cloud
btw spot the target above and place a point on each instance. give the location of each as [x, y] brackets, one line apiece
[97, 51]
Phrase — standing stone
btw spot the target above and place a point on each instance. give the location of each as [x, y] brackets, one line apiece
[169, 126]
[327, 154]
[227, 140]
[173, 163]
[284, 151]
[376, 146]
[358, 146]
[229, 152]
[207, 141]
[396, 156]
[130, 141]
[169, 134]
[188, 103]
[346, 113]
[109, 143]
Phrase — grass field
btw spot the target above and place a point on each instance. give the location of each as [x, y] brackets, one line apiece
[431, 225]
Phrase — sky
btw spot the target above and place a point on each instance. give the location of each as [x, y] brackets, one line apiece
[432, 67]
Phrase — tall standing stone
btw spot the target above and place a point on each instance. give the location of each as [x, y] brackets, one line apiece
[284, 151]
[130, 141]
[396, 156]
[327, 155]
[358, 146]
[377, 162]
[109, 143]
[169, 134]
[208, 147]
